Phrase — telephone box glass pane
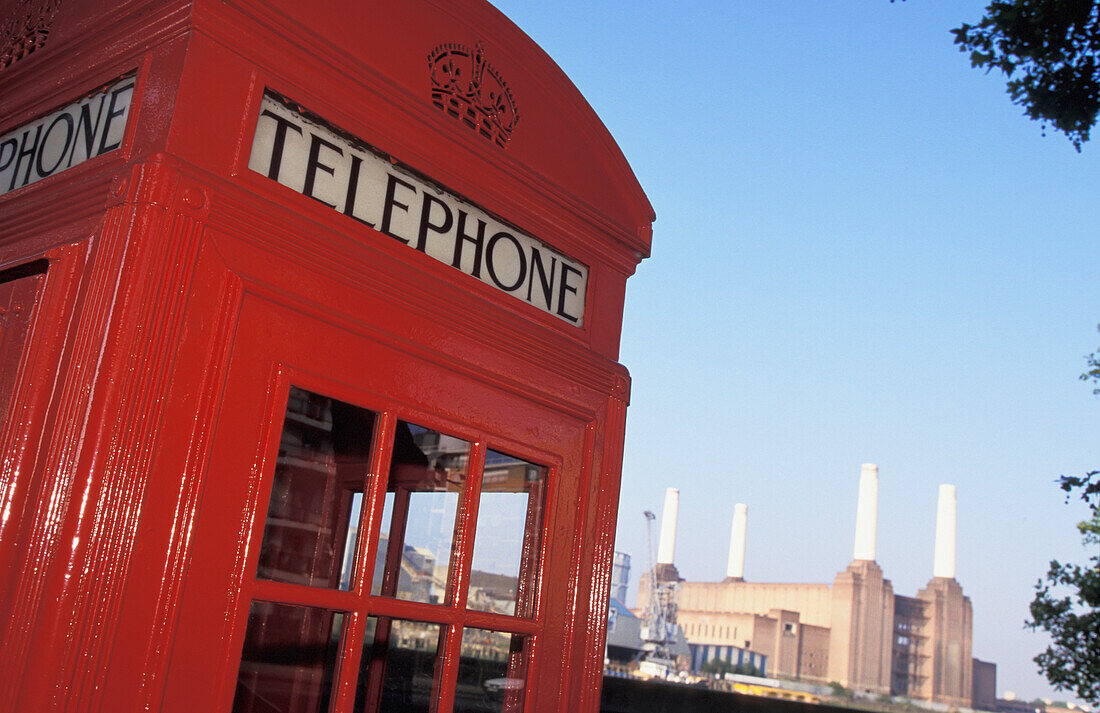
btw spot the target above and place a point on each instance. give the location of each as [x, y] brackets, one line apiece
[426, 482]
[506, 543]
[289, 659]
[400, 666]
[320, 474]
[17, 300]
[492, 672]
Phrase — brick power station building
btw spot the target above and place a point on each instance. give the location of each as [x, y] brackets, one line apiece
[855, 631]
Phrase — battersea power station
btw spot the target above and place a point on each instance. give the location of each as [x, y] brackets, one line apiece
[855, 631]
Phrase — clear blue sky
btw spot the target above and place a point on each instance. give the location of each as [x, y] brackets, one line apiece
[863, 253]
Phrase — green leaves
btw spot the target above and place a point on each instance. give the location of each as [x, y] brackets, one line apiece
[1072, 661]
[1089, 483]
[1093, 374]
[1049, 50]
[1067, 603]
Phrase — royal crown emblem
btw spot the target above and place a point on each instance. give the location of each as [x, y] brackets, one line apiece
[470, 89]
[26, 29]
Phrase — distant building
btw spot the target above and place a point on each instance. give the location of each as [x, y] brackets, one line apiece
[856, 631]
[1007, 705]
[985, 686]
[624, 633]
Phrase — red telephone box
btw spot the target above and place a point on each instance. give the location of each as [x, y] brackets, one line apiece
[310, 318]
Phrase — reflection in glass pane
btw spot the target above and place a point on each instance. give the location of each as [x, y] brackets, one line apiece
[506, 543]
[427, 478]
[316, 494]
[400, 665]
[492, 672]
[288, 660]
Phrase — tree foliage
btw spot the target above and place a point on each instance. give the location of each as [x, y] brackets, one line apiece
[1050, 52]
[839, 691]
[1072, 661]
[717, 667]
[720, 667]
[1093, 375]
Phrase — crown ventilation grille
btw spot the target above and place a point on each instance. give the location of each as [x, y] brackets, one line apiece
[26, 29]
[469, 89]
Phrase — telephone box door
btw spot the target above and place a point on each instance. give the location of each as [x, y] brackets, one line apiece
[373, 531]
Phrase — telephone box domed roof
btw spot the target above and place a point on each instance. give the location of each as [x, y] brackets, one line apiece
[468, 75]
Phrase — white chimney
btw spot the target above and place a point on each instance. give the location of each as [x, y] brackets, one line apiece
[667, 550]
[867, 512]
[736, 566]
[944, 565]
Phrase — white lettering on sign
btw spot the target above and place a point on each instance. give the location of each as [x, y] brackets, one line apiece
[82, 130]
[347, 176]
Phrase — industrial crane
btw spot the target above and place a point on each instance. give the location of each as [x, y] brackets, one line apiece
[659, 627]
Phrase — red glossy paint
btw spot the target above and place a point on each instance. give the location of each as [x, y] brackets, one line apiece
[169, 297]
